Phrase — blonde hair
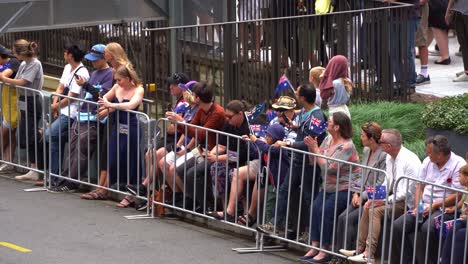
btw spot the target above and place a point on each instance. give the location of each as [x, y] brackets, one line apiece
[25, 48]
[464, 170]
[189, 98]
[118, 53]
[348, 84]
[317, 73]
[127, 71]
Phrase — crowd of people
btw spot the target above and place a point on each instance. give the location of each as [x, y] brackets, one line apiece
[209, 161]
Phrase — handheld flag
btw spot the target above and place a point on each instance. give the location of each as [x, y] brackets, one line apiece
[446, 226]
[255, 112]
[318, 126]
[283, 84]
[378, 192]
[259, 130]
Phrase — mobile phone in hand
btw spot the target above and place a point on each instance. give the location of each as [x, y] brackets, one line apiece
[169, 107]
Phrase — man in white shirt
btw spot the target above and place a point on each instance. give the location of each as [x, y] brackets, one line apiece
[400, 162]
[441, 166]
[64, 110]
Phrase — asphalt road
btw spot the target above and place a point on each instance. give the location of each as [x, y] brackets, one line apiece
[62, 228]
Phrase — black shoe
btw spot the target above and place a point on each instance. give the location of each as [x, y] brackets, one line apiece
[133, 190]
[444, 62]
[66, 187]
[421, 80]
[141, 206]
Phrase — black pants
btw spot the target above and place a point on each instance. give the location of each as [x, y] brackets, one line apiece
[29, 137]
[461, 26]
[195, 186]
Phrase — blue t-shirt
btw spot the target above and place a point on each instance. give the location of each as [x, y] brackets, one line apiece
[13, 64]
[100, 82]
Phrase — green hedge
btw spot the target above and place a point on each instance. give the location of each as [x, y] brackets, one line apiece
[405, 117]
[449, 113]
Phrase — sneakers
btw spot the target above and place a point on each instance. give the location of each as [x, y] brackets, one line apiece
[421, 80]
[30, 176]
[134, 190]
[361, 259]
[459, 73]
[6, 168]
[66, 187]
[141, 206]
[304, 237]
[269, 229]
[348, 253]
[461, 78]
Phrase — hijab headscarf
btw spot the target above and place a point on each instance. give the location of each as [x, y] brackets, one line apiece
[337, 68]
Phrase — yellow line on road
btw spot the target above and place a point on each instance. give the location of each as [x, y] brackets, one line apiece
[15, 247]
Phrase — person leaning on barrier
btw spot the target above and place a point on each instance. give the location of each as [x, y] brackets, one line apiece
[312, 121]
[30, 74]
[459, 231]
[209, 115]
[84, 132]
[178, 150]
[9, 66]
[372, 156]
[285, 118]
[336, 177]
[276, 160]
[116, 56]
[400, 162]
[64, 110]
[230, 153]
[125, 139]
[441, 166]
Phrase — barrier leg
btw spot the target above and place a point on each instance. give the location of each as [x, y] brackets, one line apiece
[259, 247]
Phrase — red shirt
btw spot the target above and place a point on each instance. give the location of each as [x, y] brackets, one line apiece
[213, 119]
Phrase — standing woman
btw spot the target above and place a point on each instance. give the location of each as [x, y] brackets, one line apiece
[125, 138]
[115, 55]
[335, 86]
[29, 75]
[457, 13]
[9, 66]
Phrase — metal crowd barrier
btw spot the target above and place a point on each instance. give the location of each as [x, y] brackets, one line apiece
[27, 106]
[304, 179]
[437, 236]
[205, 207]
[113, 133]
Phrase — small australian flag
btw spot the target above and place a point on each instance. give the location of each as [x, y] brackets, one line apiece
[317, 126]
[378, 192]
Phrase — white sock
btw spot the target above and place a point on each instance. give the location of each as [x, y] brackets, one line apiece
[424, 71]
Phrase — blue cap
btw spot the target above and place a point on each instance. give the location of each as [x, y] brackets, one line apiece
[276, 131]
[96, 53]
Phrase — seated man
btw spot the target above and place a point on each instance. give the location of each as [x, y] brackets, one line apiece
[399, 162]
[441, 166]
[210, 116]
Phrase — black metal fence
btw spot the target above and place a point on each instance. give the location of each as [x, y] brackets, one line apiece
[246, 58]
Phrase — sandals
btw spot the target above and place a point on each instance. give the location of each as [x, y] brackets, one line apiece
[220, 216]
[242, 220]
[94, 195]
[126, 202]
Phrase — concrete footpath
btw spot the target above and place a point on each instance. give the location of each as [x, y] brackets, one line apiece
[62, 228]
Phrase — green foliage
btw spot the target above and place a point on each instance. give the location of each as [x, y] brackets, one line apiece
[403, 116]
[449, 113]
